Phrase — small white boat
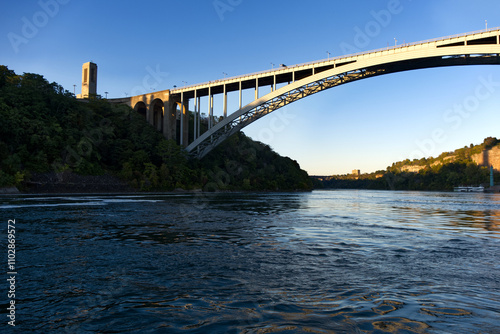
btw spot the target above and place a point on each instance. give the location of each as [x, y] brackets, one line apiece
[467, 189]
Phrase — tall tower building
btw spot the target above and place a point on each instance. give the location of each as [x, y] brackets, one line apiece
[89, 80]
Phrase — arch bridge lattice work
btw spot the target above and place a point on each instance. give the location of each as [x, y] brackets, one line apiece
[160, 108]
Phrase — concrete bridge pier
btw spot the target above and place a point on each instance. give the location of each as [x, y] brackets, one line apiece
[160, 110]
[184, 122]
[155, 114]
[170, 119]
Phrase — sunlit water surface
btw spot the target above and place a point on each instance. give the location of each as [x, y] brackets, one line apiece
[321, 262]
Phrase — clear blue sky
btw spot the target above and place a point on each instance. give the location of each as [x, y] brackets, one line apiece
[364, 125]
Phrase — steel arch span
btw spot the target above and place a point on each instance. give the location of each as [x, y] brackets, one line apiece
[468, 49]
[167, 110]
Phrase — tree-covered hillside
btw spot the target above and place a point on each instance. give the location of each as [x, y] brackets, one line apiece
[461, 155]
[44, 129]
[448, 170]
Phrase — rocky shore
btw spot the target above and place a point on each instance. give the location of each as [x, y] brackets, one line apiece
[68, 182]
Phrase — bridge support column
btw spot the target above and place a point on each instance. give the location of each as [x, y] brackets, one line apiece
[150, 114]
[195, 120]
[240, 96]
[185, 128]
[198, 131]
[210, 107]
[256, 88]
[169, 119]
[182, 119]
[225, 102]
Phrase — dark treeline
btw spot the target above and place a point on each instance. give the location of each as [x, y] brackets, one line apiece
[44, 129]
[443, 178]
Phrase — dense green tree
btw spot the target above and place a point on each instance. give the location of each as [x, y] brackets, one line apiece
[44, 129]
[489, 142]
[439, 177]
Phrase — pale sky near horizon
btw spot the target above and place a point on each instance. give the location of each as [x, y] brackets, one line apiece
[367, 125]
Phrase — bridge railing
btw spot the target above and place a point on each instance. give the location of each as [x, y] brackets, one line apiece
[341, 57]
[400, 46]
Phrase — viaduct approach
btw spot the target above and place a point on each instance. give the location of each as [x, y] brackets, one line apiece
[167, 110]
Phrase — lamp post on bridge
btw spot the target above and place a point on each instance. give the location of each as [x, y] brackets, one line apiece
[328, 55]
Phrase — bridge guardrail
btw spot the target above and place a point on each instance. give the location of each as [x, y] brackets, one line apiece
[343, 57]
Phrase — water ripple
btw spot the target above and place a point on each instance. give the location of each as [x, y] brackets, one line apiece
[327, 261]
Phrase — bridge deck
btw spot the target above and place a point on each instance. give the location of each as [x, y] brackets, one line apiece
[296, 72]
[160, 108]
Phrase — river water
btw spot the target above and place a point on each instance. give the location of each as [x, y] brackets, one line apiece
[320, 262]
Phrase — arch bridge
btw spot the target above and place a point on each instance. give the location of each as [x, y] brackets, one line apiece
[297, 82]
